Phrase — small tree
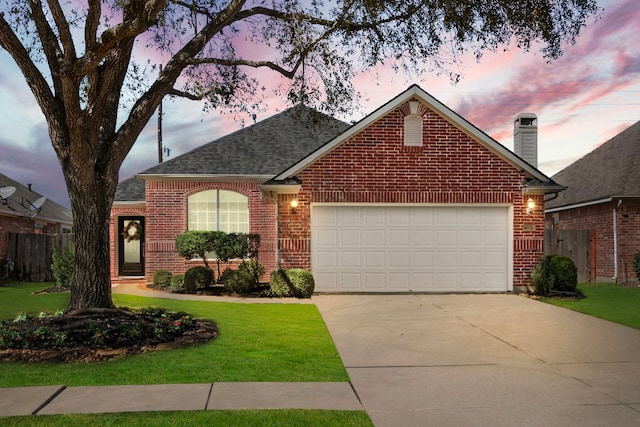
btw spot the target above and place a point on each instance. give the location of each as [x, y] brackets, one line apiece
[198, 244]
[230, 246]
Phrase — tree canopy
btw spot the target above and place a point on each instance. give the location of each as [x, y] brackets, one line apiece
[91, 68]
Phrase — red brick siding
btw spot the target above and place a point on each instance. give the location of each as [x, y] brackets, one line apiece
[375, 167]
[166, 217]
[600, 219]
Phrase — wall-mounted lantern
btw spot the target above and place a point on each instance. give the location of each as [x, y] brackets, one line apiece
[294, 205]
[531, 204]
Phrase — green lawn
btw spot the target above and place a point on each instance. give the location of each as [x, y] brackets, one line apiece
[248, 418]
[257, 342]
[606, 301]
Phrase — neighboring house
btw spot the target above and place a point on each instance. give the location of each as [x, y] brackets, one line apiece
[19, 215]
[603, 195]
[411, 198]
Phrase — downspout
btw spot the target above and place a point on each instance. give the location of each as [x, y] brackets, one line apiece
[277, 251]
[615, 242]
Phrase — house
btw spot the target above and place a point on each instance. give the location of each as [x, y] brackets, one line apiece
[411, 198]
[603, 196]
[23, 210]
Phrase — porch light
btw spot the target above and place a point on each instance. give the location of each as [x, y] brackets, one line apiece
[294, 205]
[531, 204]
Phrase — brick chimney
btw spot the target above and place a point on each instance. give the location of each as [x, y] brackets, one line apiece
[525, 138]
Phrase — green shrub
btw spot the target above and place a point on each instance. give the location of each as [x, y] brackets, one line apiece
[236, 281]
[542, 278]
[302, 282]
[565, 274]
[280, 284]
[162, 278]
[636, 264]
[62, 266]
[177, 282]
[254, 269]
[197, 244]
[197, 278]
[293, 282]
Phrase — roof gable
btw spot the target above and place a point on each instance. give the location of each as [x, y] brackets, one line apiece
[260, 150]
[414, 92]
[610, 171]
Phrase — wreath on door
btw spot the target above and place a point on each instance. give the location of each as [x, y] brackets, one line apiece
[132, 231]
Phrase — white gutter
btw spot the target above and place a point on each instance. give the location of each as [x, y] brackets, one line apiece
[578, 205]
[615, 242]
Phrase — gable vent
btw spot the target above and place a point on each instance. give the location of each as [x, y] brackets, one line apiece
[413, 112]
[525, 138]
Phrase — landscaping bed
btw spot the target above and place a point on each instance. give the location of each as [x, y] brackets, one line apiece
[100, 334]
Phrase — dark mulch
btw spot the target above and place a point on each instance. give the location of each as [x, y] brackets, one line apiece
[99, 334]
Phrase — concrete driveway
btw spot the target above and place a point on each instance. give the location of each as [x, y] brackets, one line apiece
[498, 360]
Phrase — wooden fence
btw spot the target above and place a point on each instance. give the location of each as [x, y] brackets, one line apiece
[32, 255]
[579, 245]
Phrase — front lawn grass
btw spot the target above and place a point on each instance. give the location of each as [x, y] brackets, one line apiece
[245, 418]
[606, 301]
[257, 342]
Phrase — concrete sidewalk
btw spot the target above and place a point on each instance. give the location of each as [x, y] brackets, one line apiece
[49, 400]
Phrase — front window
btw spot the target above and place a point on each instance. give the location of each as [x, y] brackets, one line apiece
[219, 210]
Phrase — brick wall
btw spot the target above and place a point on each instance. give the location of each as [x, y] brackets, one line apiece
[165, 215]
[374, 167]
[600, 219]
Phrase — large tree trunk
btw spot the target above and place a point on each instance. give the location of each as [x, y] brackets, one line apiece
[91, 203]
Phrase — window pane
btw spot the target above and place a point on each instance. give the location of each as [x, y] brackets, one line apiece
[222, 210]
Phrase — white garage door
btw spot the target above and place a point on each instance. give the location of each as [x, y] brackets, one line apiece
[410, 248]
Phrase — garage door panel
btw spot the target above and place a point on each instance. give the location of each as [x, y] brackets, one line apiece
[350, 216]
[399, 237]
[375, 281]
[349, 259]
[375, 216]
[423, 238]
[446, 259]
[410, 248]
[447, 238]
[375, 237]
[326, 260]
[399, 217]
[327, 238]
[350, 238]
[422, 259]
[399, 259]
[351, 282]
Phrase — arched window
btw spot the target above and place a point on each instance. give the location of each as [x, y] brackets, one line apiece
[219, 210]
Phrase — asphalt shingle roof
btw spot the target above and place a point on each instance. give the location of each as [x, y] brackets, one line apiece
[262, 149]
[611, 170]
[131, 190]
[18, 203]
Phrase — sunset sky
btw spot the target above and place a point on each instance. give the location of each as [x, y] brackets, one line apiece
[583, 99]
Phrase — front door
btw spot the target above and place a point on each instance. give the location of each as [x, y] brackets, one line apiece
[131, 246]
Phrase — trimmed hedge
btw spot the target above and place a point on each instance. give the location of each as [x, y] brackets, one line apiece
[162, 278]
[293, 282]
[554, 273]
[197, 278]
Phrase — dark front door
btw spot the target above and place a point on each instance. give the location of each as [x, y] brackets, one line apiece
[131, 246]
